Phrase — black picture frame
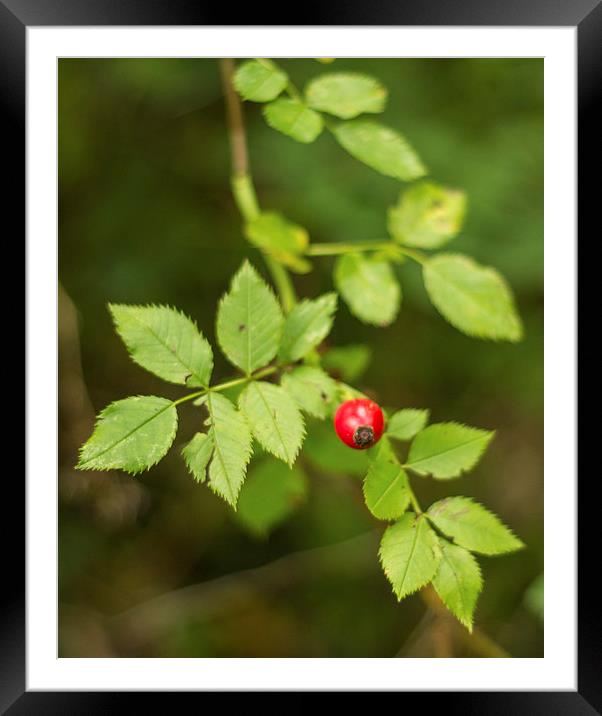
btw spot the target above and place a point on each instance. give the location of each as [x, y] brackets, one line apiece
[586, 15]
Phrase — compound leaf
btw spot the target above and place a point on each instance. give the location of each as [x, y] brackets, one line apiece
[274, 417]
[271, 493]
[306, 326]
[472, 526]
[369, 287]
[346, 94]
[259, 80]
[249, 321]
[409, 554]
[165, 342]
[294, 119]
[312, 389]
[232, 447]
[381, 148]
[458, 582]
[445, 450]
[131, 435]
[285, 241]
[197, 454]
[386, 490]
[404, 424]
[427, 215]
[473, 298]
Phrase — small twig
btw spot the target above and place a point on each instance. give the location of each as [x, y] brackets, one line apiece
[238, 142]
[242, 184]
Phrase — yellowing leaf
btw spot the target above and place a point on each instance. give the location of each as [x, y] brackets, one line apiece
[381, 148]
[285, 241]
[369, 287]
[473, 298]
[294, 119]
[346, 94]
[427, 216]
[259, 80]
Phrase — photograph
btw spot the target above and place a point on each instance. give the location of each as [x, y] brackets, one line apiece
[301, 357]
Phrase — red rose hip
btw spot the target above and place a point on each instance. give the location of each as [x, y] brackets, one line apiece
[359, 423]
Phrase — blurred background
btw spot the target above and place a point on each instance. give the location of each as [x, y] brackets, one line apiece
[157, 565]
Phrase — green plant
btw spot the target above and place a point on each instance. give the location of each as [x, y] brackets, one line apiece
[284, 375]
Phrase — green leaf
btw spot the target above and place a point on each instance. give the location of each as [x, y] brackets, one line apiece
[259, 80]
[346, 94]
[369, 288]
[534, 597]
[271, 493]
[347, 362]
[472, 526]
[249, 321]
[445, 450]
[232, 447]
[306, 326]
[381, 148]
[197, 454]
[329, 454]
[311, 388]
[404, 424]
[131, 435]
[409, 554]
[294, 119]
[274, 418]
[427, 216]
[273, 233]
[458, 582]
[473, 298]
[386, 490]
[383, 452]
[165, 342]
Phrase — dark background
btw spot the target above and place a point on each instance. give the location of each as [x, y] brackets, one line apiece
[146, 217]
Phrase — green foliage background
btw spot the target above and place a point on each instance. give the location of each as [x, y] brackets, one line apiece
[146, 216]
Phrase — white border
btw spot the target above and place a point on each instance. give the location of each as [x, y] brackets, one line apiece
[557, 670]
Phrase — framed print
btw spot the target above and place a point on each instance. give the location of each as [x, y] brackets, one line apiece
[300, 413]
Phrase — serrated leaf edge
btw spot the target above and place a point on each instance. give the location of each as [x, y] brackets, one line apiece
[487, 438]
[100, 416]
[203, 384]
[521, 544]
[422, 584]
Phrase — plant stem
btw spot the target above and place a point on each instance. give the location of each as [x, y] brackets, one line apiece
[242, 184]
[334, 249]
[228, 384]
[337, 248]
[414, 499]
